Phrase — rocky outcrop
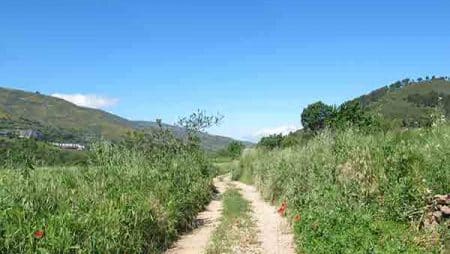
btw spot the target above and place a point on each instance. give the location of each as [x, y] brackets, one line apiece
[437, 212]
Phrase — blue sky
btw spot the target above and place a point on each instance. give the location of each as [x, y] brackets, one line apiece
[256, 62]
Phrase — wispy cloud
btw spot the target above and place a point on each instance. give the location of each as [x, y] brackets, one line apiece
[284, 130]
[88, 100]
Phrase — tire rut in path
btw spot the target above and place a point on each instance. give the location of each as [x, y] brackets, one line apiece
[274, 234]
[274, 231]
[196, 242]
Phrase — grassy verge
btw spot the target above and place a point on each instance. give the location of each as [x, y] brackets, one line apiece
[127, 203]
[223, 168]
[236, 231]
[358, 193]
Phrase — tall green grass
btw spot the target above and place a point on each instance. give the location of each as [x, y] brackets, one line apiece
[358, 193]
[124, 203]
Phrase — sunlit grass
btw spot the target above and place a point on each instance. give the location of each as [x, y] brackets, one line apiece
[357, 193]
[126, 204]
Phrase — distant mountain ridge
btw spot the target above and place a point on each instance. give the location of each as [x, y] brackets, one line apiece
[63, 121]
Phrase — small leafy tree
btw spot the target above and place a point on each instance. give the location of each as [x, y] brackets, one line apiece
[315, 116]
[198, 122]
[161, 139]
[396, 85]
[161, 143]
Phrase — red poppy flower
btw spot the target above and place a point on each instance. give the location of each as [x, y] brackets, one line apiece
[39, 234]
[282, 209]
[297, 218]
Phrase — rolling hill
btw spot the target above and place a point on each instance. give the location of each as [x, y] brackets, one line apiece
[62, 121]
[405, 103]
[410, 103]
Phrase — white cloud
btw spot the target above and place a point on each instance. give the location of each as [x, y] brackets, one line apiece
[88, 100]
[284, 130]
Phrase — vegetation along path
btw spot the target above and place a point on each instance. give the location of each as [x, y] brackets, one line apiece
[273, 232]
[196, 241]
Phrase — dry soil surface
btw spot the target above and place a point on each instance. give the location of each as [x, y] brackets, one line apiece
[274, 234]
[274, 231]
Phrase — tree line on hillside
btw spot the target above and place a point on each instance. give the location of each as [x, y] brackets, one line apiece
[380, 92]
[319, 116]
[432, 100]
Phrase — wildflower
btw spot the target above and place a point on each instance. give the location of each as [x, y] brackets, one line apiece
[297, 218]
[282, 209]
[39, 234]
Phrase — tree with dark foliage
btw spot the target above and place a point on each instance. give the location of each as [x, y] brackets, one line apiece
[271, 142]
[314, 116]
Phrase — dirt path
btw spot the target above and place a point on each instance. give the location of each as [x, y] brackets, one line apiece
[195, 242]
[274, 234]
[274, 231]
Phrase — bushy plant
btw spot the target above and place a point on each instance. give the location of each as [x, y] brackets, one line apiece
[352, 115]
[235, 149]
[231, 152]
[297, 138]
[271, 141]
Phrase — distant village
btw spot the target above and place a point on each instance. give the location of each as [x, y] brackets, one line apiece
[37, 135]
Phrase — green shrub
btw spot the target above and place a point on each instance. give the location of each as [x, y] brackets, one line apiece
[352, 115]
[271, 142]
[231, 152]
[299, 137]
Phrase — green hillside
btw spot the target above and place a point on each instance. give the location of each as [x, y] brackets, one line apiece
[410, 103]
[33, 110]
[62, 121]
